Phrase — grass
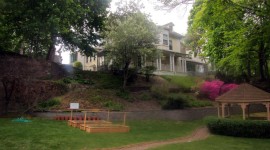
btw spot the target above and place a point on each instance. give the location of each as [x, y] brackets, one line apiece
[221, 143]
[45, 134]
[184, 82]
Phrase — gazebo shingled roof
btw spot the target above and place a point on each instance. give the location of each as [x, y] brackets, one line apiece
[244, 93]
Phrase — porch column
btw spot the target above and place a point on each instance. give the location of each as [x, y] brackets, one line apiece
[157, 61]
[180, 63]
[185, 65]
[160, 67]
[173, 63]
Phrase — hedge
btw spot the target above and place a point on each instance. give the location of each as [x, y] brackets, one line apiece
[239, 128]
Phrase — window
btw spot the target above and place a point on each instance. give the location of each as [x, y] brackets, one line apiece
[165, 39]
[86, 60]
[170, 44]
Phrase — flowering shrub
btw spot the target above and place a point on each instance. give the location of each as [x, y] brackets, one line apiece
[227, 87]
[213, 89]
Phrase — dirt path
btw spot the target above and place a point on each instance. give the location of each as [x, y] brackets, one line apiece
[199, 134]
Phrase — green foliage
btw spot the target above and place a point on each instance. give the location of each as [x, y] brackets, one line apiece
[186, 83]
[77, 65]
[232, 34]
[180, 101]
[61, 86]
[124, 94]
[132, 36]
[148, 71]
[160, 91]
[104, 80]
[175, 101]
[239, 128]
[145, 96]
[199, 103]
[114, 106]
[45, 105]
[36, 27]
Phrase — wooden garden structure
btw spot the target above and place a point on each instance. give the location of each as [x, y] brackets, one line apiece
[243, 95]
[99, 126]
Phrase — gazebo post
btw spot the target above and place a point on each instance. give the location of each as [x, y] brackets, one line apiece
[243, 106]
[223, 109]
[248, 114]
[228, 109]
[267, 107]
[218, 109]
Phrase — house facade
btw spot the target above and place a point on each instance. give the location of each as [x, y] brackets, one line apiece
[174, 58]
[91, 63]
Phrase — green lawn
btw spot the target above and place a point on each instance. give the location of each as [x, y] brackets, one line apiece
[185, 82]
[216, 142]
[43, 134]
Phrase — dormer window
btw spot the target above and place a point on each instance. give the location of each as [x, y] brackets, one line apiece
[165, 39]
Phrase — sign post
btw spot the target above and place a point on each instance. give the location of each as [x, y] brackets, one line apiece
[73, 106]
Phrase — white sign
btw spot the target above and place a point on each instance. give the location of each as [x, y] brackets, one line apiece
[74, 105]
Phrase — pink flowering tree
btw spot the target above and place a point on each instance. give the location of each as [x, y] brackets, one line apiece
[213, 89]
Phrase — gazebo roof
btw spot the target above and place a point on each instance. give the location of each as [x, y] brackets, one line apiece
[245, 93]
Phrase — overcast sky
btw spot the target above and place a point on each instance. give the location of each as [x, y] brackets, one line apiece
[179, 17]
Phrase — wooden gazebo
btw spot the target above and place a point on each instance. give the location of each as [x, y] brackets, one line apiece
[243, 95]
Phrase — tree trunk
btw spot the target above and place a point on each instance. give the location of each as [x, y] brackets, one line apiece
[9, 85]
[261, 55]
[125, 74]
[51, 51]
[266, 70]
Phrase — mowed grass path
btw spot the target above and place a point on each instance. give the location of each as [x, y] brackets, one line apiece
[216, 142]
[43, 134]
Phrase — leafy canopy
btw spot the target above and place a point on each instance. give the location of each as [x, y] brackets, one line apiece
[130, 36]
[233, 34]
[36, 26]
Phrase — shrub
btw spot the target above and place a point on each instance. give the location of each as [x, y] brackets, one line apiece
[77, 65]
[175, 101]
[227, 87]
[199, 103]
[148, 71]
[239, 128]
[123, 94]
[49, 103]
[160, 91]
[213, 89]
[145, 96]
[111, 105]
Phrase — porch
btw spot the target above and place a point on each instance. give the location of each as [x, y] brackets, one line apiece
[171, 63]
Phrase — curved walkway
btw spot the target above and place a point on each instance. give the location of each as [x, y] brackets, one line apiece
[198, 134]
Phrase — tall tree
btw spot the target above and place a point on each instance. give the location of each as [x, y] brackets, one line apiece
[130, 36]
[234, 34]
[36, 27]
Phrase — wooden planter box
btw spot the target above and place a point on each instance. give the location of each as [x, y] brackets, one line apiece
[79, 123]
[106, 128]
[94, 123]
